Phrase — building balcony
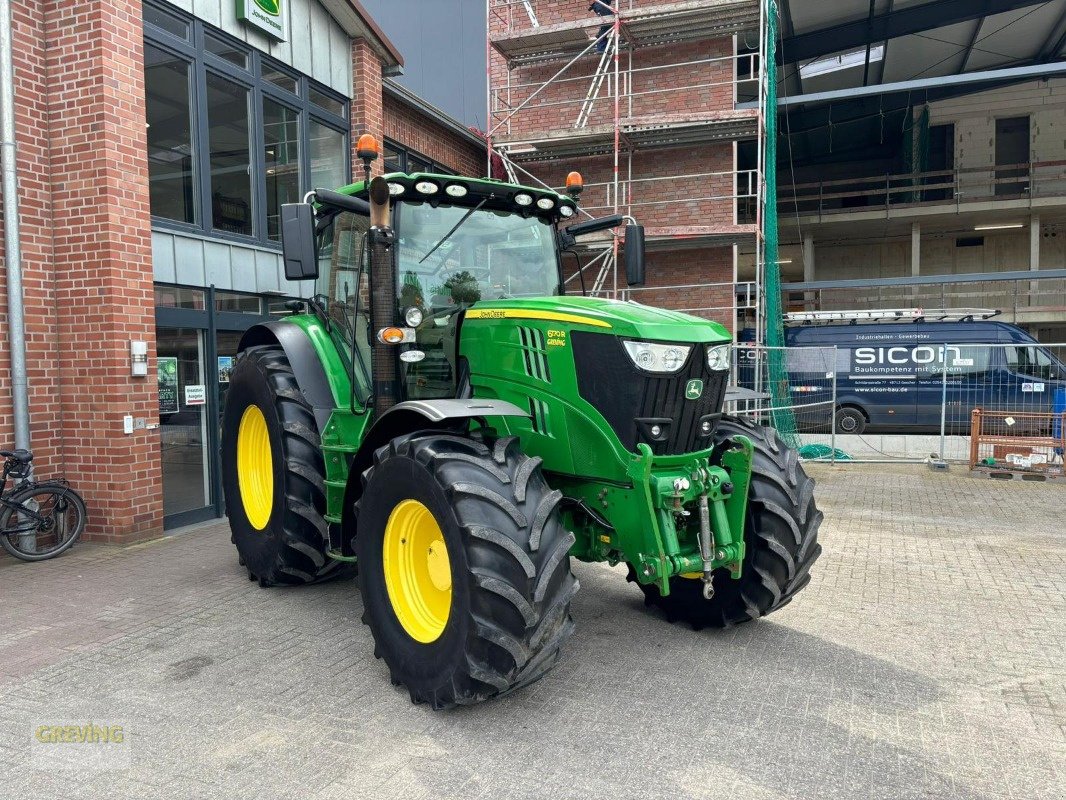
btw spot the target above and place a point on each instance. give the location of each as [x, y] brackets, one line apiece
[1037, 184]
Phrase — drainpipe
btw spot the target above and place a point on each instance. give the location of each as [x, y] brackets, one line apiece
[16, 330]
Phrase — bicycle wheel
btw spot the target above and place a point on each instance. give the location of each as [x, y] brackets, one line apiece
[55, 523]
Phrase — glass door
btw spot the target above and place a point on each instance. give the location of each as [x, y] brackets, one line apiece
[185, 443]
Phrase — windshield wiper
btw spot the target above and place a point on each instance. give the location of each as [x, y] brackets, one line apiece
[455, 227]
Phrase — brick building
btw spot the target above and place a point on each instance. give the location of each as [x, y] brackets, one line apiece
[156, 142]
[646, 105]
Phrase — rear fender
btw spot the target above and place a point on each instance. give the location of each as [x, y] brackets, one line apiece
[304, 360]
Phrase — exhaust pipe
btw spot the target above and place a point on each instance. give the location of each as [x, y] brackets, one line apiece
[381, 245]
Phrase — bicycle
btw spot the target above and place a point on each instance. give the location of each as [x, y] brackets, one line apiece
[39, 520]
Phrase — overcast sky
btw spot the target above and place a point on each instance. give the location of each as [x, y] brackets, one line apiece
[443, 47]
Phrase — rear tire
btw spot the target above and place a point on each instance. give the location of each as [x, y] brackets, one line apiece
[276, 519]
[507, 610]
[49, 499]
[781, 538]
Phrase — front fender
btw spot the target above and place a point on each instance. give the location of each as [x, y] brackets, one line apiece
[409, 417]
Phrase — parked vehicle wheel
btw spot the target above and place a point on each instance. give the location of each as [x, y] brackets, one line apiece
[273, 473]
[850, 420]
[781, 538]
[464, 567]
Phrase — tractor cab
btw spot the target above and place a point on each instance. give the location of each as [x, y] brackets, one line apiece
[454, 242]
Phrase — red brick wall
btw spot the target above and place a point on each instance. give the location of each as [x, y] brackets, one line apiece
[411, 128]
[86, 256]
[661, 195]
[665, 80]
[366, 107]
[711, 267]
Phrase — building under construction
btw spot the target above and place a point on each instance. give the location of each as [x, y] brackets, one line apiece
[644, 98]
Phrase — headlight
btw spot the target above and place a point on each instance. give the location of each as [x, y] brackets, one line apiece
[546, 203]
[658, 357]
[566, 211]
[523, 199]
[426, 187]
[455, 190]
[413, 316]
[718, 358]
[395, 189]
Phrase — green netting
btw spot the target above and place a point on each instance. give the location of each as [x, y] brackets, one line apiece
[915, 151]
[822, 452]
[777, 374]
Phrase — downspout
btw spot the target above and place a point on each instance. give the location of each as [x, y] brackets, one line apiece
[16, 329]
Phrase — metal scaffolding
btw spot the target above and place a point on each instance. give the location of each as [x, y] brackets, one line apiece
[585, 81]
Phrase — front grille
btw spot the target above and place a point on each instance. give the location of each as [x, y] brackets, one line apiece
[632, 401]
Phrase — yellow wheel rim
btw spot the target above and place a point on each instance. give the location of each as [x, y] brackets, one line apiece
[255, 467]
[418, 572]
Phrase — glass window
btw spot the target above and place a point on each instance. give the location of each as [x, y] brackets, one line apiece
[329, 157]
[281, 156]
[230, 156]
[963, 359]
[237, 303]
[223, 49]
[166, 22]
[179, 297]
[393, 159]
[171, 159]
[215, 170]
[325, 101]
[416, 164]
[279, 78]
[1032, 361]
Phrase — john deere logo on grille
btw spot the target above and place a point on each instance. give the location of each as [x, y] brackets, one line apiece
[693, 389]
[263, 15]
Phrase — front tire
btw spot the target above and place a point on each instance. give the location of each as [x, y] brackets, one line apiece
[780, 534]
[464, 567]
[273, 473]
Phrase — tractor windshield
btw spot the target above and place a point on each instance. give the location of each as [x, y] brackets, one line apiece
[450, 257]
[487, 256]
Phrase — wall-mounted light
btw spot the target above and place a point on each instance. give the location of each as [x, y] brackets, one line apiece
[138, 359]
[1006, 226]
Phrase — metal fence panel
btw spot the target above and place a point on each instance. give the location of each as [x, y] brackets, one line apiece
[916, 400]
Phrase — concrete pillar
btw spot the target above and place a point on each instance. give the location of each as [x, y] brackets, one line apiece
[808, 257]
[808, 271]
[916, 249]
[1034, 256]
[1034, 242]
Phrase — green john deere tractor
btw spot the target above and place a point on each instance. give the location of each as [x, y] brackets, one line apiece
[443, 414]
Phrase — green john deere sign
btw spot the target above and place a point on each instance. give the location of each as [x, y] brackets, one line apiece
[263, 15]
[693, 389]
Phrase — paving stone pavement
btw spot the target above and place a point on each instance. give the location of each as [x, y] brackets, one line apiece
[924, 660]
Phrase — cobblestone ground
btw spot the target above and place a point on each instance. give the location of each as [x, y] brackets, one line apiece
[925, 659]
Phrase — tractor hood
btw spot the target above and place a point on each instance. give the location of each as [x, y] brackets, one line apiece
[628, 319]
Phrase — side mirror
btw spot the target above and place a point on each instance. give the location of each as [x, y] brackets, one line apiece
[298, 242]
[634, 255]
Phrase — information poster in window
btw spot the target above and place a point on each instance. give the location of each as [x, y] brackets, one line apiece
[168, 384]
[225, 367]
